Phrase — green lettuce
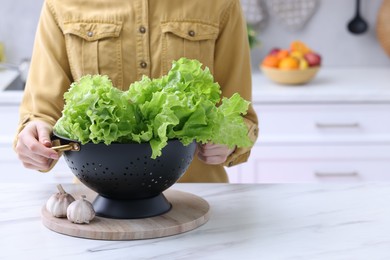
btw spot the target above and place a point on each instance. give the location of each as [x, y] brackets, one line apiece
[185, 104]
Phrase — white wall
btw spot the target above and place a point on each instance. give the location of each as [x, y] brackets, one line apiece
[18, 21]
[325, 32]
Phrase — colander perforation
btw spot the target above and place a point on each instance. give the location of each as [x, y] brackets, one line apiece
[126, 171]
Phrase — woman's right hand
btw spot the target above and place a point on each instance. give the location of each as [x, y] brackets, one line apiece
[33, 146]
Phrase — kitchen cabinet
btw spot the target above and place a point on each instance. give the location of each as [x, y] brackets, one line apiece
[335, 129]
[297, 163]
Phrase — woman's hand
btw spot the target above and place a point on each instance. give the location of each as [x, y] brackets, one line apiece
[213, 153]
[33, 146]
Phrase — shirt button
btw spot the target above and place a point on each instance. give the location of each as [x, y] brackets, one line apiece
[142, 29]
[143, 64]
[191, 33]
[90, 34]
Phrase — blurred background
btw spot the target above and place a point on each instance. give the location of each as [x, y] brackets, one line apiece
[333, 128]
[325, 30]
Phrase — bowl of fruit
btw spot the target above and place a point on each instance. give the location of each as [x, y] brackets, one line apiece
[296, 65]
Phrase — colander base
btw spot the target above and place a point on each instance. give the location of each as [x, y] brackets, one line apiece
[131, 209]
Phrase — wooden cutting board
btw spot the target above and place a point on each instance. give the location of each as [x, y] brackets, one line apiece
[383, 26]
[188, 212]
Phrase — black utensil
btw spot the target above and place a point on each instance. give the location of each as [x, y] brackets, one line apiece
[357, 25]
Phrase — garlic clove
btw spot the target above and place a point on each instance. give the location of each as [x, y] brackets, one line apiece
[80, 211]
[58, 203]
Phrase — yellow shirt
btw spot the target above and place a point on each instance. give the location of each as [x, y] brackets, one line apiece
[128, 39]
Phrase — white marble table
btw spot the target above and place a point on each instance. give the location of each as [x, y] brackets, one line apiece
[331, 85]
[294, 222]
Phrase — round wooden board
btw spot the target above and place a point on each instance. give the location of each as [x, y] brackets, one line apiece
[188, 212]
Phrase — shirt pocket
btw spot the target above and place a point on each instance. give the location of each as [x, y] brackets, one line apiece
[95, 48]
[193, 40]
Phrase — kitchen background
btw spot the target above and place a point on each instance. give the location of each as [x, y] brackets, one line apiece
[335, 128]
[325, 31]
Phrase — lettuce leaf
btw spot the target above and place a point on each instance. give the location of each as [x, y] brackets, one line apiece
[184, 104]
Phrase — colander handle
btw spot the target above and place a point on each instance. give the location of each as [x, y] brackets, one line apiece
[61, 148]
[67, 147]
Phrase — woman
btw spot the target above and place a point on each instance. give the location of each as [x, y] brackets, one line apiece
[125, 40]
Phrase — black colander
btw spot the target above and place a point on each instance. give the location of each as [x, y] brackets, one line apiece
[128, 181]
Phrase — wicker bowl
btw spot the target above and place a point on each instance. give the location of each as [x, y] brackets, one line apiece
[128, 181]
[290, 77]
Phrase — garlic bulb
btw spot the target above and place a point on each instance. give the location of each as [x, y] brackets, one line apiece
[58, 203]
[80, 211]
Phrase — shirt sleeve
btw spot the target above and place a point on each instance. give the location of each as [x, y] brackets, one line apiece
[232, 70]
[49, 75]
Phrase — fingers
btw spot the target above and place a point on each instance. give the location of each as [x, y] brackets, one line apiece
[39, 163]
[44, 132]
[213, 153]
[33, 146]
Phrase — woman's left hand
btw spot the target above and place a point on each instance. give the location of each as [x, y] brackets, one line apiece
[213, 153]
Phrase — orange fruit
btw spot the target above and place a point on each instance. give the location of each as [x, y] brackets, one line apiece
[289, 63]
[282, 54]
[300, 47]
[270, 61]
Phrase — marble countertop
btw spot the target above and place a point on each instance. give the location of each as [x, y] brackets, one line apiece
[331, 85]
[11, 98]
[253, 221]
